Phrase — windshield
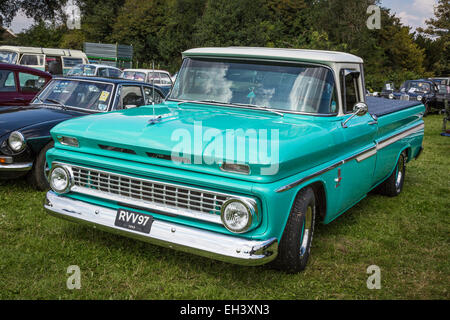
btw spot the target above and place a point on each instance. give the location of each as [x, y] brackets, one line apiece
[133, 75]
[8, 56]
[417, 87]
[78, 94]
[302, 88]
[82, 70]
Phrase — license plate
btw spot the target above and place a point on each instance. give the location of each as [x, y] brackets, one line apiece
[133, 220]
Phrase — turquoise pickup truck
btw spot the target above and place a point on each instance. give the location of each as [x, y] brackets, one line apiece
[252, 148]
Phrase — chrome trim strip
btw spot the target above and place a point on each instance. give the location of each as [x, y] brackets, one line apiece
[398, 136]
[163, 208]
[17, 167]
[188, 239]
[359, 156]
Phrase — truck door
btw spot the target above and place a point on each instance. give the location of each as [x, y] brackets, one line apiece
[354, 177]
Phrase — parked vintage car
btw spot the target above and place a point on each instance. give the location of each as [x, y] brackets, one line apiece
[95, 70]
[252, 148]
[25, 131]
[443, 93]
[421, 90]
[388, 90]
[55, 61]
[19, 85]
[160, 78]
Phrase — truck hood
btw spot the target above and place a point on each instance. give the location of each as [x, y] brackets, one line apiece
[201, 138]
[17, 118]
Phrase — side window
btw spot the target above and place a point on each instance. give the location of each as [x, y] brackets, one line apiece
[152, 95]
[7, 81]
[102, 72]
[32, 60]
[165, 79]
[130, 97]
[30, 83]
[350, 90]
[114, 73]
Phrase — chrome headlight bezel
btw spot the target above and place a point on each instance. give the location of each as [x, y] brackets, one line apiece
[67, 173]
[251, 211]
[19, 136]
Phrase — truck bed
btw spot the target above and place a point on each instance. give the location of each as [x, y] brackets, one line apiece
[382, 106]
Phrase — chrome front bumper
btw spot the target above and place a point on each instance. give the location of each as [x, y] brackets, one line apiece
[188, 239]
[16, 167]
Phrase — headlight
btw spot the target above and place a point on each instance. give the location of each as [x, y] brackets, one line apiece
[391, 96]
[60, 179]
[419, 98]
[237, 215]
[16, 141]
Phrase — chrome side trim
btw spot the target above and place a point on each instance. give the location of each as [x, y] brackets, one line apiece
[205, 243]
[398, 136]
[16, 166]
[361, 156]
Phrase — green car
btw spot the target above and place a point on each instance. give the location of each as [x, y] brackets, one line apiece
[252, 148]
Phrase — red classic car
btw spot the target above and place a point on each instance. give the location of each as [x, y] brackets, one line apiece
[19, 84]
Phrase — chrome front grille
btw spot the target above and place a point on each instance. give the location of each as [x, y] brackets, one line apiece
[168, 198]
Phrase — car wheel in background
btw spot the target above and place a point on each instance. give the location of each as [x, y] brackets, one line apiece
[40, 170]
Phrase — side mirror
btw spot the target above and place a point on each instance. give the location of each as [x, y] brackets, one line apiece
[359, 110]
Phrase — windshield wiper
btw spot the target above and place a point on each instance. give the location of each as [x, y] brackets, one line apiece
[56, 102]
[259, 108]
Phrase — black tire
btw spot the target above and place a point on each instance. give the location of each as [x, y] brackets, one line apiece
[38, 174]
[393, 186]
[427, 109]
[295, 245]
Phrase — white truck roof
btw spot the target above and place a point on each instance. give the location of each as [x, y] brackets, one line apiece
[146, 70]
[276, 54]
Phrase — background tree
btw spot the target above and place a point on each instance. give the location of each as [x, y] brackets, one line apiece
[36, 9]
[438, 29]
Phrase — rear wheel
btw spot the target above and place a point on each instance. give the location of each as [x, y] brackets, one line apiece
[39, 174]
[393, 186]
[295, 244]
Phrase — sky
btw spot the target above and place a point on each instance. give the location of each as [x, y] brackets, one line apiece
[411, 12]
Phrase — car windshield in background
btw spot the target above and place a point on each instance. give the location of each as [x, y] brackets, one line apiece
[133, 75]
[418, 87]
[77, 94]
[71, 62]
[300, 88]
[8, 57]
[82, 70]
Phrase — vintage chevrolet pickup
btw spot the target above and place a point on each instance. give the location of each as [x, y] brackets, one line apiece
[252, 148]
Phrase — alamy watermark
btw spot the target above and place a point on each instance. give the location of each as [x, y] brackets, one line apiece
[374, 20]
[209, 146]
[74, 280]
[73, 16]
[374, 280]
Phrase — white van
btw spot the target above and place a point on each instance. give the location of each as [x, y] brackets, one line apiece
[55, 61]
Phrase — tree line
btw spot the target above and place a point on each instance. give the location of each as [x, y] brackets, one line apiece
[160, 30]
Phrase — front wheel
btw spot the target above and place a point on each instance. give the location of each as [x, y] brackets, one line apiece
[295, 244]
[38, 175]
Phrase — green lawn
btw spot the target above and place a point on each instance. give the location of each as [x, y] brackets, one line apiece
[406, 236]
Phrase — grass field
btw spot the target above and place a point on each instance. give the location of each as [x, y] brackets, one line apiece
[406, 236]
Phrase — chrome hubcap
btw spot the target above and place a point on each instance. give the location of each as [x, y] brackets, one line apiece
[46, 169]
[307, 225]
[400, 167]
